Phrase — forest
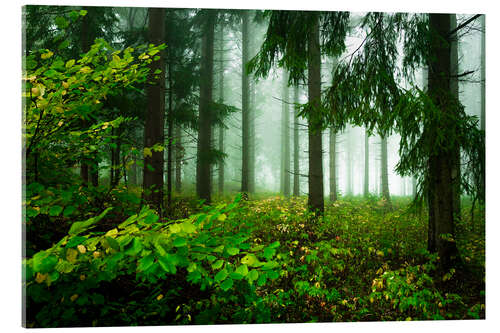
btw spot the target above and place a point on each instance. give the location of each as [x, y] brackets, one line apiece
[187, 166]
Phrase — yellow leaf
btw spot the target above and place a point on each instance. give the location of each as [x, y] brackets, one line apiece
[41, 277]
[147, 152]
[112, 232]
[222, 217]
[47, 55]
[74, 297]
[96, 254]
[159, 297]
[60, 123]
[71, 255]
[81, 248]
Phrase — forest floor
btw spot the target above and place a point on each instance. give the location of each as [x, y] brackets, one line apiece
[361, 261]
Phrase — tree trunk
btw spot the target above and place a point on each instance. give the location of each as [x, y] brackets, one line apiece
[296, 169]
[179, 155]
[349, 162]
[220, 181]
[251, 168]
[285, 136]
[170, 130]
[456, 172]
[153, 128]
[366, 189]
[441, 162]
[333, 165]
[204, 148]
[245, 90]
[316, 200]
[384, 177]
[483, 73]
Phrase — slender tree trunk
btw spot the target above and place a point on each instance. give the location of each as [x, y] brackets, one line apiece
[220, 181]
[456, 172]
[170, 130]
[384, 177]
[204, 149]
[349, 161]
[483, 73]
[316, 199]
[285, 137]
[179, 155]
[245, 90]
[441, 162]
[366, 189]
[251, 168]
[296, 157]
[153, 129]
[333, 165]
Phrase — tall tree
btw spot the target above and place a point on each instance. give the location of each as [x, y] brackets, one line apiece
[384, 172]
[366, 183]
[333, 165]
[285, 136]
[316, 200]
[456, 172]
[245, 105]
[348, 161]
[220, 177]
[154, 122]
[204, 147]
[441, 161]
[296, 157]
[179, 155]
[483, 72]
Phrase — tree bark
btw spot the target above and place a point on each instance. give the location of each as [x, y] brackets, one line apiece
[179, 154]
[220, 181]
[456, 171]
[316, 199]
[333, 165]
[245, 90]
[296, 157]
[153, 129]
[366, 188]
[441, 194]
[285, 136]
[204, 148]
[384, 177]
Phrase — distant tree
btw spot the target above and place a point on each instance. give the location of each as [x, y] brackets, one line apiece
[483, 73]
[204, 148]
[220, 181]
[245, 105]
[285, 137]
[333, 165]
[366, 183]
[384, 172]
[296, 155]
[154, 122]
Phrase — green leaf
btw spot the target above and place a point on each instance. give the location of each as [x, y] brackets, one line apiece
[180, 241]
[128, 221]
[243, 270]
[228, 283]
[262, 280]
[134, 247]
[61, 22]
[236, 276]
[233, 251]
[168, 263]
[253, 275]
[69, 210]
[113, 243]
[74, 241]
[83, 12]
[55, 210]
[188, 227]
[272, 275]
[218, 264]
[81, 226]
[274, 245]
[221, 275]
[151, 218]
[70, 63]
[250, 260]
[145, 262]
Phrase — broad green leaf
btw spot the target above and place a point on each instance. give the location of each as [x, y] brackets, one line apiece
[145, 263]
[233, 251]
[69, 210]
[180, 241]
[236, 276]
[175, 228]
[250, 260]
[74, 241]
[228, 283]
[188, 227]
[218, 264]
[253, 275]
[113, 243]
[134, 247]
[79, 227]
[128, 221]
[221, 275]
[55, 210]
[243, 270]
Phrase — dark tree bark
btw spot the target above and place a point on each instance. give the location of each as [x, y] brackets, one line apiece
[220, 181]
[252, 143]
[441, 162]
[204, 148]
[153, 129]
[285, 137]
[456, 172]
[170, 133]
[296, 157]
[333, 165]
[483, 73]
[316, 199]
[384, 172]
[366, 184]
[245, 106]
[179, 155]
